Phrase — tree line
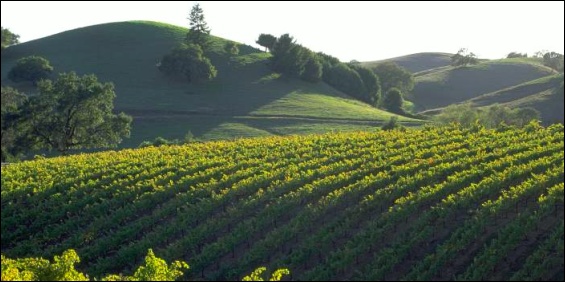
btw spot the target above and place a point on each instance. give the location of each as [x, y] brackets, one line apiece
[367, 85]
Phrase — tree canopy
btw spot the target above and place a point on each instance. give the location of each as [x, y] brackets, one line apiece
[267, 41]
[491, 117]
[31, 68]
[516, 55]
[12, 142]
[392, 75]
[9, 38]
[464, 58]
[74, 112]
[231, 48]
[199, 32]
[188, 62]
[393, 101]
[553, 60]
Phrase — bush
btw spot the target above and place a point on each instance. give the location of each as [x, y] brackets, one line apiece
[188, 62]
[391, 124]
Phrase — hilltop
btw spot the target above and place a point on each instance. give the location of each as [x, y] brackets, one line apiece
[246, 99]
[417, 62]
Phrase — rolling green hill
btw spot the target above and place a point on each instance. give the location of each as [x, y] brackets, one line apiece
[442, 203]
[418, 62]
[448, 85]
[246, 98]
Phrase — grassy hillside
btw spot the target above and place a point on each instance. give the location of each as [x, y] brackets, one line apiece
[418, 62]
[126, 53]
[434, 204]
[544, 94]
[448, 85]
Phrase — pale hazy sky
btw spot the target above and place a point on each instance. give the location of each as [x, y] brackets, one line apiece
[363, 31]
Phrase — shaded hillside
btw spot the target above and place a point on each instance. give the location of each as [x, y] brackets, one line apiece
[426, 205]
[549, 103]
[126, 53]
[418, 62]
[449, 85]
[543, 94]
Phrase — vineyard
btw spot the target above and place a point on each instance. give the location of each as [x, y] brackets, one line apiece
[442, 203]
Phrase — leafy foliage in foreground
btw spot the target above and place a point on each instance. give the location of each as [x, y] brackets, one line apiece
[449, 202]
[63, 269]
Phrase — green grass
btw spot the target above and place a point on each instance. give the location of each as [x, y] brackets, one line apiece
[231, 130]
[303, 103]
[126, 53]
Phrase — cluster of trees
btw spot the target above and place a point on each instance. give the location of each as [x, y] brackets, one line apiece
[550, 59]
[9, 38]
[187, 60]
[381, 86]
[71, 112]
[295, 60]
[516, 55]
[490, 117]
[553, 60]
[160, 141]
[464, 58]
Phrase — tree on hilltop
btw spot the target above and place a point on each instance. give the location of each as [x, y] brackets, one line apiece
[464, 58]
[199, 33]
[9, 38]
[266, 40]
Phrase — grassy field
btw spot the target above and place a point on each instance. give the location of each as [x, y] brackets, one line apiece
[442, 203]
[126, 54]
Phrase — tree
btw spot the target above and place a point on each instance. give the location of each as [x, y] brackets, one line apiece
[553, 60]
[464, 58]
[231, 48]
[9, 38]
[463, 114]
[393, 101]
[371, 82]
[345, 79]
[391, 124]
[199, 33]
[267, 41]
[288, 57]
[75, 112]
[188, 62]
[312, 69]
[31, 68]
[523, 116]
[516, 55]
[392, 75]
[14, 141]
